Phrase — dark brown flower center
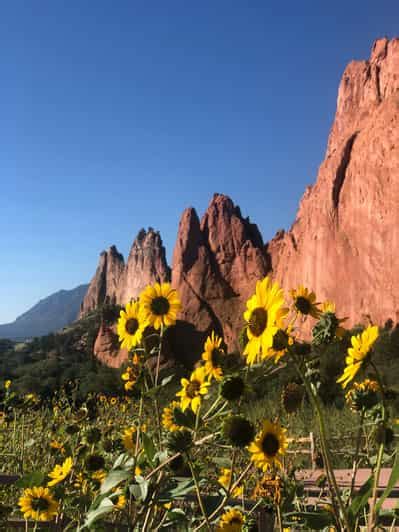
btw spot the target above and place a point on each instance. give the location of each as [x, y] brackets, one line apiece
[280, 340]
[303, 304]
[40, 504]
[216, 356]
[131, 326]
[270, 444]
[193, 389]
[236, 520]
[160, 306]
[258, 321]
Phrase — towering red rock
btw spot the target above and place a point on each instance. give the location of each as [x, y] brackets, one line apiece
[216, 263]
[344, 242]
[146, 264]
[104, 284]
[118, 283]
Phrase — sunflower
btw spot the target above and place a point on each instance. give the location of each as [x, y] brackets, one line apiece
[305, 302]
[264, 316]
[361, 347]
[281, 341]
[130, 326]
[60, 472]
[38, 504]
[193, 389]
[231, 521]
[160, 305]
[168, 417]
[121, 502]
[212, 356]
[269, 446]
[130, 376]
[129, 439]
[225, 480]
[363, 395]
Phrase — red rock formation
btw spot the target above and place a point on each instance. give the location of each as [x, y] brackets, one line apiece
[146, 265]
[216, 263]
[104, 284]
[107, 347]
[344, 242]
[118, 283]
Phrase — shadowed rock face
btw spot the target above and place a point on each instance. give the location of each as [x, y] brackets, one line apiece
[344, 242]
[216, 263]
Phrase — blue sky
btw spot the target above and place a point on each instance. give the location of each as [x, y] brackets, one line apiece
[118, 115]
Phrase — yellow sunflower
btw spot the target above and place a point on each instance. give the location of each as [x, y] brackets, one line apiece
[361, 347]
[129, 438]
[281, 341]
[328, 307]
[264, 316]
[193, 389]
[160, 305]
[225, 481]
[121, 502]
[38, 504]
[269, 446]
[231, 521]
[130, 376]
[168, 417]
[305, 302]
[212, 356]
[130, 326]
[60, 472]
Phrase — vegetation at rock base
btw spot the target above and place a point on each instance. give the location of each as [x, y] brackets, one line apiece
[142, 447]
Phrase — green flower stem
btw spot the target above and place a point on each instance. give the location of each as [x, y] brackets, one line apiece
[372, 514]
[377, 471]
[356, 457]
[325, 450]
[212, 407]
[198, 492]
[225, 498]
[219, 412]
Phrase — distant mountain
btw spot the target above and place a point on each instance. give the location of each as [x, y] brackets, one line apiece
[49, 315]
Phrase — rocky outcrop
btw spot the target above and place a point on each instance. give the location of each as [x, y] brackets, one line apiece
[104, 285]
[146, 264]
[115, 282]
[107, 347]
[344, 242]
[216, 263]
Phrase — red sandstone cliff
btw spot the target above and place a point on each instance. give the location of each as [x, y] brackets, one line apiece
[146, 264]
[118, 283]
[104, 284]
[216, 263]
[344, 242]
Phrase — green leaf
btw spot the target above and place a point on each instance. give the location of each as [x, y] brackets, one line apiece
[167, 380]
[149, 447]
[106, 506]
[140, 490]
[361, 499]
[182, 488]
[315, 520]
[114, 478]
[393, 479]
[30, 480]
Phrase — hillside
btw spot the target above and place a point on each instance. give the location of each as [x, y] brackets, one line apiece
[48, 315]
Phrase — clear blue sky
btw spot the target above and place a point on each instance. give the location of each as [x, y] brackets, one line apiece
[119, 114]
